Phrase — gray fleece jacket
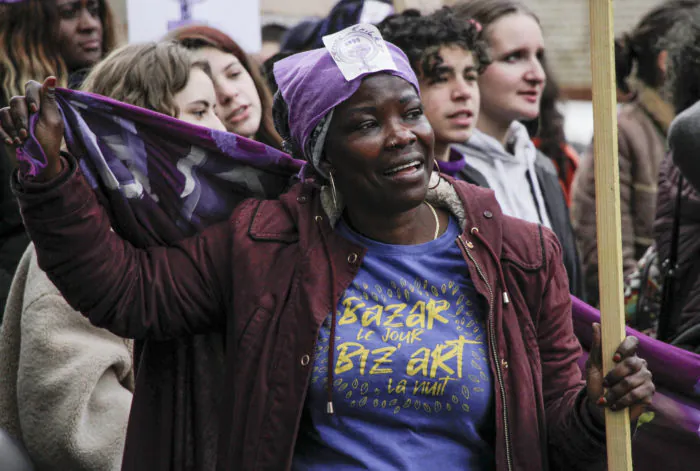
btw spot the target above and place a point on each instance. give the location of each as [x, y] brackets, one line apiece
[65, 385]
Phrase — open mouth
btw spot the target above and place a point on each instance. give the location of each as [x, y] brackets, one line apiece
[404, 169]
[462, 114]
[92, 45]
[239, 114]
[463, 118]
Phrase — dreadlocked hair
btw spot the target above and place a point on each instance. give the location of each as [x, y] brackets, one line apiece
[422, 36]
[28, 46]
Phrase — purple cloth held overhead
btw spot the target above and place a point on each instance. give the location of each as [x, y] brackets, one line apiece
[157, 168]
[312, 85]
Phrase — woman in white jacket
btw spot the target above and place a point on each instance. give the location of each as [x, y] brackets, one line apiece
[500, 154]
[66, 385]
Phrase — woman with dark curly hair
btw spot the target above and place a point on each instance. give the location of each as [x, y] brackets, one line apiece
[447, 56]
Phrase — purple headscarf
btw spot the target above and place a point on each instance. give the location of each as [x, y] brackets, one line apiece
[312, 85]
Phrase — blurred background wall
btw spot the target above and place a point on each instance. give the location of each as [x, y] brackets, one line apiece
[564, 22]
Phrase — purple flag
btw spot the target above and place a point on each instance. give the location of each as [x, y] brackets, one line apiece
[160, 171]
[668, 435]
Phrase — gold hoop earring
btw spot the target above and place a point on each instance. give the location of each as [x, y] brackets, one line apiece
[333, 192]
[439, 177]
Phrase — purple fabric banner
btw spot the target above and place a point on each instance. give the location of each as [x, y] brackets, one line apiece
[165, 170]
[668, 435]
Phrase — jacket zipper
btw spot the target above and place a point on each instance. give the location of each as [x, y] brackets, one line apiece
[494, 350]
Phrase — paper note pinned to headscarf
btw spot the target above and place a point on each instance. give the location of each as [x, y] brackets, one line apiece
[358, 50]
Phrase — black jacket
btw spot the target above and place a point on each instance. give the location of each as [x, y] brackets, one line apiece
[13, 239]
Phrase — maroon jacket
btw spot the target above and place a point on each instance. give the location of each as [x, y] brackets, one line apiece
[266, 277]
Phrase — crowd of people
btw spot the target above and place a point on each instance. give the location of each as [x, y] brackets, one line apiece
[404, 302]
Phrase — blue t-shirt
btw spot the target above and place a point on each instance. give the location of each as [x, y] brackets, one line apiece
[412, 389]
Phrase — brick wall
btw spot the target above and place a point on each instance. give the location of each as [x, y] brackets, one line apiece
[566, 29]
[565, 25]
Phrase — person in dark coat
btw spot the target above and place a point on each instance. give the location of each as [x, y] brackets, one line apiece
[679, 323]
[39, 38]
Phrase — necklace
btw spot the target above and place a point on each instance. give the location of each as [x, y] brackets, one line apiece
[437, 221]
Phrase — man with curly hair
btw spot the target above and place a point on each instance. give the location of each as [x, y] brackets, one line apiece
[447, 56]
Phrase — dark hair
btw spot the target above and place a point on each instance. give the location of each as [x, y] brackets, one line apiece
[683, 46]
[268, 69]
[488, 12]
[197, 37]
[549, 125]
[421, 37]
[28, 46]
[273, 32]
[640, 48]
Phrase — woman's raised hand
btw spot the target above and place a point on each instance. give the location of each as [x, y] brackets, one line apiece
[628, 384]
[14, 123]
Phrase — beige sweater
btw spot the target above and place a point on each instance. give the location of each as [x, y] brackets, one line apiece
[65, 385]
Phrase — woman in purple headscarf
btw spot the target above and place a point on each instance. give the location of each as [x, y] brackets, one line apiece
[378, 315]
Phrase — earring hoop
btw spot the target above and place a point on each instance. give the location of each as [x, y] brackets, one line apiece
[333, 192]
[439, 177]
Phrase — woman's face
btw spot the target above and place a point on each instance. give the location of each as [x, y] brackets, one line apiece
[239, 106]
[380, 146]
[197, 101]
[452, 98]
[80, 32]
[511, 87]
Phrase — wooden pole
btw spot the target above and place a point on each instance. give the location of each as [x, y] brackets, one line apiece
[607, 186]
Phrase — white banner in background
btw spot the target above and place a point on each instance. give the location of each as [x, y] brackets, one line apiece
[150, 20]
